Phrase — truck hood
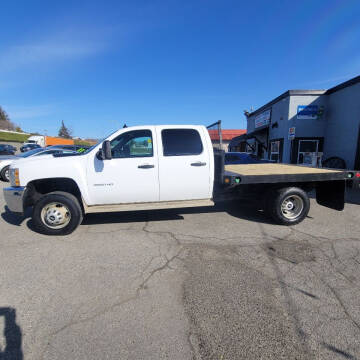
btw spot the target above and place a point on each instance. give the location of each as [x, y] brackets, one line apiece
[34, 159]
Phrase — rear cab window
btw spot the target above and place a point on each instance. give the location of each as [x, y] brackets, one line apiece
[181, 142]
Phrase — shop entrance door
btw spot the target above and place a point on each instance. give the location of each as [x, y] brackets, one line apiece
[307, 148]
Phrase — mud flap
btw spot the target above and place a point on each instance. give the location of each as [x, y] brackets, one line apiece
[331, 194]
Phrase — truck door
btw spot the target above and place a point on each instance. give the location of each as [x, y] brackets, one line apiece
[132, 173]
[184, 164]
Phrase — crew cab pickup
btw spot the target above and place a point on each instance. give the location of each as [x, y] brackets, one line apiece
[160, 167]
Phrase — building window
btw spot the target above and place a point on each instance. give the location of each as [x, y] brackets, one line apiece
[307, 150]
[304, 150]
[276, 150]
[249, 149]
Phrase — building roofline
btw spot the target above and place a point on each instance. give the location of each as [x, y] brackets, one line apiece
[344, 85]
[285, 95]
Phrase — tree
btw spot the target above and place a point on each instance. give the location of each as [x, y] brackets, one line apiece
[5, 122]
[64, 132]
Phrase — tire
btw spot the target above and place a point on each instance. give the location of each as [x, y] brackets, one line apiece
[334, 162]
[5, 174]
[288, 206]
[57, 213]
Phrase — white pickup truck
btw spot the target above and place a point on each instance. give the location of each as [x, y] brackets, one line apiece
[160, 167]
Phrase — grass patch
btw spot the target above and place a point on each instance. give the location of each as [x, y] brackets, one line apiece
[82, 142]
[5, 136]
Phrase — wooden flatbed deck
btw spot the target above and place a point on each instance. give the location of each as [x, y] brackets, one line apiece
[275, 169]
[271, 173]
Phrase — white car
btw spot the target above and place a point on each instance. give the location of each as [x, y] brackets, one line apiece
[7, 160]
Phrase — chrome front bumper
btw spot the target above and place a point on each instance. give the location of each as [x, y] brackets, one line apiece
[14, 198]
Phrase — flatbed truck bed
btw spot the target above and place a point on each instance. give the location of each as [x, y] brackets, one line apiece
[278, 173]
[281, 189]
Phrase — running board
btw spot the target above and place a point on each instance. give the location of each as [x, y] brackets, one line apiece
[147, 206]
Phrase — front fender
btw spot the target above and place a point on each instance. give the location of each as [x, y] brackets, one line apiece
[73, 168]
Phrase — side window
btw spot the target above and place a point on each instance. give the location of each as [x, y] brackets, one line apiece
[180, 142]
[136, 143]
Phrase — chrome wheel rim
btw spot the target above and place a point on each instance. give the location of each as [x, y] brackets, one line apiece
[55, 215]
[292, 206]
[7, 174]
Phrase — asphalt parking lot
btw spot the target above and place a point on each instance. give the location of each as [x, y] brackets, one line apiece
[221, 283]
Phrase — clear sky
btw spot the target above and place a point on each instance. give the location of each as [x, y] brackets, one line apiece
[100, 64]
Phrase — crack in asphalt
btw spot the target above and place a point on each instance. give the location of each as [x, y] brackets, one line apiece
[142, 286]
[228, 249]
[290, 303]
[338, 298]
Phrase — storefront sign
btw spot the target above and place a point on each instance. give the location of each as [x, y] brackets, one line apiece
[307, 112]
[291, 133]
[263, 119]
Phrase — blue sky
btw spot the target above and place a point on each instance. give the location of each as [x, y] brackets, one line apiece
[100, 64]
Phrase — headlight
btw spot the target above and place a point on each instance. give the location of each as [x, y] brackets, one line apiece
[15, 177]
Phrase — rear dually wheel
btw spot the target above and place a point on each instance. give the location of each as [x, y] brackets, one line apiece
[288, 206]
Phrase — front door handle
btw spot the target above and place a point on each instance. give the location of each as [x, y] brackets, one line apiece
[146, 166]
[199, 163]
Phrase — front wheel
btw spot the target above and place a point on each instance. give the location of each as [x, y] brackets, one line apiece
[288, 206]
[57, 213]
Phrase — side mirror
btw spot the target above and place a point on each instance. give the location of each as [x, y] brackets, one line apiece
[105, 152]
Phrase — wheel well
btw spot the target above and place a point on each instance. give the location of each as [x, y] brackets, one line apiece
[37, 188]
[306, 186]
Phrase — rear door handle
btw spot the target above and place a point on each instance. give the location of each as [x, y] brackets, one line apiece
[146, 166]
[199, 163]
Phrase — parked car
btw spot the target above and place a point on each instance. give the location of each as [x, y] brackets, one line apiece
[77, 148]
[29, 146]
[243, 158]
[7, 160]
[6, 149]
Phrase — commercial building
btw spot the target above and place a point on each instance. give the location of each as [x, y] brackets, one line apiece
[305, 126]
